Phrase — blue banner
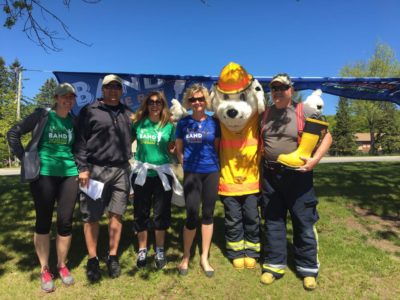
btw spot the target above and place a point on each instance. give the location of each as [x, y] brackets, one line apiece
[136, 86]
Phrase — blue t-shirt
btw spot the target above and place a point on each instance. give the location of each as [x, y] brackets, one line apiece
[199, 154]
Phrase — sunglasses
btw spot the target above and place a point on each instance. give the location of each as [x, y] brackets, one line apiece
[113, 87]
[277, 88]
[154, 103]
[200, 99]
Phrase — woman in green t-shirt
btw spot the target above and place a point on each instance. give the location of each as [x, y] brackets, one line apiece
[155, 138]
[52, 138]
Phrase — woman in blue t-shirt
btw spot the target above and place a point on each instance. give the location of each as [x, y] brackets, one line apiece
[197, 143]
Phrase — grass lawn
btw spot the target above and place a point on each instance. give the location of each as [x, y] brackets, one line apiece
[359, 249]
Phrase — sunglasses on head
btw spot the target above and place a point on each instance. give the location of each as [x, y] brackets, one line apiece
[280, 88]
[154, 102]
[113, 87]
[194, 99]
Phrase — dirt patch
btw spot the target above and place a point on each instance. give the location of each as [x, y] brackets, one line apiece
[381, 221]
[354, 224]
[381, 231]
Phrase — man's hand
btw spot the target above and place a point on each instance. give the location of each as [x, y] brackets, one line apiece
[310, 163]
[84, 179]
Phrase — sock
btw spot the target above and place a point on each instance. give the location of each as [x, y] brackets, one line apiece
[142, 254]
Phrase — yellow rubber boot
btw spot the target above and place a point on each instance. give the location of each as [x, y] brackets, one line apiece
[309, 283]
[238, 263]
[313, 130]
[267, 278]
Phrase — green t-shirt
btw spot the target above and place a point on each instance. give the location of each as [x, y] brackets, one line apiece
[152, 142]
[55, 147]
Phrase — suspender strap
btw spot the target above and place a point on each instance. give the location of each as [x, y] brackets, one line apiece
[299, 120]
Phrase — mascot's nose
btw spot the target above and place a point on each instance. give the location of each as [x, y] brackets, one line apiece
[232, 113]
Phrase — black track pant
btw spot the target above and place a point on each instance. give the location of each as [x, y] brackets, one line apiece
[46, 191]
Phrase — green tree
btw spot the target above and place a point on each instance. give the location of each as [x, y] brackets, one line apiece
[7, 108]
[387, 136]
[378, 118]
[331, 120]
[344, 142]
[46, 94]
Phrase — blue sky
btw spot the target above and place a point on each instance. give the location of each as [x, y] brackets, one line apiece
[301, 37]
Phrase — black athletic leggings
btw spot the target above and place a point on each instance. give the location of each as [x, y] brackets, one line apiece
[200, 188]
[45, 191]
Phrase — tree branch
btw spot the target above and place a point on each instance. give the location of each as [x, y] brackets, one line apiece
[35, 30]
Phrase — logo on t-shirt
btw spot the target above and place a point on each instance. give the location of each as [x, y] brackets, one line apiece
[195, 136]
[149, 137]
[60, 136]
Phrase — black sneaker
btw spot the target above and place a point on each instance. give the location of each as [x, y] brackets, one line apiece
[114, 269]
[93, 269]
[142, 259]
[160, 261]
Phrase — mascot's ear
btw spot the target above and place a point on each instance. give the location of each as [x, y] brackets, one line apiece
[259, 94]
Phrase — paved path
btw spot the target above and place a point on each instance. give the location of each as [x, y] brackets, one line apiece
[330, 159]
[344, 159]
[9, 171]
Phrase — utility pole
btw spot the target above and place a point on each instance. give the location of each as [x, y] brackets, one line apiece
[19, 90]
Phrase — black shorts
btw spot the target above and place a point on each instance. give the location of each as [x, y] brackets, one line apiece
[115, 193]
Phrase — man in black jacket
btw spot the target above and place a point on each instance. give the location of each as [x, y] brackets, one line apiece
[102, 151]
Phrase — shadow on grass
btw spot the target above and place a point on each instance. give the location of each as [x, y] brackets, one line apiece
[4, 257]
[17, 227]
[174, 239]
[372, 186]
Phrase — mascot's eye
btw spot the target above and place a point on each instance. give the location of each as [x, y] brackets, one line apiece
[243, 97]
[226, 97]
[319, 106]
[258, 88]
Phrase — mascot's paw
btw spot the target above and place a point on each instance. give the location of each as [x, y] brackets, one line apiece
[250, 263]
[238, 263]
[177, 111]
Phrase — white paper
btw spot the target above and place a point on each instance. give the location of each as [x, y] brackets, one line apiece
[94, 190]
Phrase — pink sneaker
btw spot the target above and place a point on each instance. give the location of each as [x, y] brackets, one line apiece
[46, 280]
[65, 276]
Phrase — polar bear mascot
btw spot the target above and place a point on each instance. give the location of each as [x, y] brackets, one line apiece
[237, 100]
[315, 101]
